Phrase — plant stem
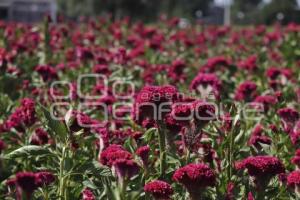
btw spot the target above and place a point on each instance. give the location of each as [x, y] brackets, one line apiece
[61, 174]
[162, 151]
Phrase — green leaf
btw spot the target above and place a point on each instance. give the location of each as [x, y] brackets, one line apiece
[149, 134]
[56, 126]
[30, 150]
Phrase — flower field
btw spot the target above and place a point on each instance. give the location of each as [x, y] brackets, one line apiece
[132, 111]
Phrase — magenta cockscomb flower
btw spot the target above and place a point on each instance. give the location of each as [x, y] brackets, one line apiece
[264, 102]
[149, 99]
[125, 168]
[182, 113]
[40, 137]
[261, 169]
[160, 190]
[296, 159]
[203, 112]
[143, 153]
[195, 178]
[215, 63]
[293, 179]
[47, 72]
[24, 115]
[175, 71]
[246, 91]
[289, 117]
[113, 153]
[87, 195]
[27, 182]
[257, 137]
[44, 178]
[206, 83]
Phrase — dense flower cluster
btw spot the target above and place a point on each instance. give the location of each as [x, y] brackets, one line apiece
[159, 189]
[195, 177]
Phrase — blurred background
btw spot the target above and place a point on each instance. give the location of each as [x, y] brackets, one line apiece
[241, 12]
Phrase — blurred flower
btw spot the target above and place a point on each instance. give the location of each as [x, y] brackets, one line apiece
[160, 190]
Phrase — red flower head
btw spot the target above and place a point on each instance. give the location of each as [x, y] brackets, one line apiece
[289, 117]
[27, 182]
[125, 168]
[160, 190]
[266, 102]
[204, 112]
[261, 167]
[293, 179]
[195, 177]
[87, 195]
[296, 159]
[204, 82]
[40, 137]
[47, 72]
[246, 91]
[150, 98]
[176, 70]
[257, 137]
[249, 63]
[143, 153]
[44, 178]
[214, 62]
[113, 153]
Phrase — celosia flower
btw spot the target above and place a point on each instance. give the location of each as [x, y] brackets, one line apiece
[289, 117]
[261, 168]
[296, 159]
[257, 137]
[246, 91]
[293, 179]
[149, 99]
[205, 83]
[47, 72]
[195, 177]
[87, 195]
[113, 153]
[27, 182]
[40, 137]
[44, 178]
[143, 153]
[266, 102]
[160, 190]
[125, 168]
[176, 70]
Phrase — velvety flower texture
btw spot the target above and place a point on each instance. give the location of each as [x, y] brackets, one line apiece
[143, 153]
[293, 179]
[206, 80]
[296, 159]
[149, 99]
[22, 116]
[44, 178]
[261, 166]
[195, 177]
[27, 182]
[266, 102]
[125, 168]
[258, 137]
[112, 153]
[87, 195]
[47, 72]
[289, 117]
[246, 91]
[160, 190]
